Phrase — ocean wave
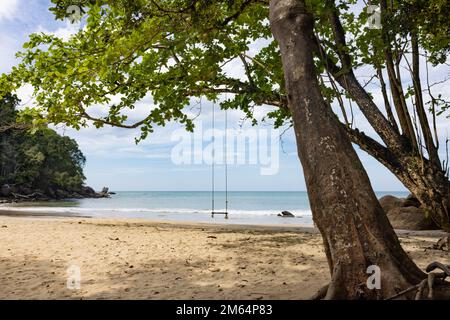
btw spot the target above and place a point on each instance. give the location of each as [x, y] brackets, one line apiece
[102, 211]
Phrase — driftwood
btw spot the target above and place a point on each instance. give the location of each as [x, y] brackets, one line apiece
[34, 195]
[58, 194]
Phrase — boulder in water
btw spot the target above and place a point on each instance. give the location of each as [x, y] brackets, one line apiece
[286, 214]
[104, 193]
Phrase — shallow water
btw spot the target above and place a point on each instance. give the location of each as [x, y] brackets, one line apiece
[244, 207]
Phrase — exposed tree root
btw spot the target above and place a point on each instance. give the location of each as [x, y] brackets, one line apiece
[437, 265]
[401, 293]
[434, 283]
[435, 280]
[321, 293]
[420, 289]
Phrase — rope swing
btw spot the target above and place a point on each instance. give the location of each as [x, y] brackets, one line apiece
[213, 212]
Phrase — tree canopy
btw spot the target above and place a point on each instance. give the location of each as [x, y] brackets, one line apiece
[135, 48]
[42, 161]
[175, 50]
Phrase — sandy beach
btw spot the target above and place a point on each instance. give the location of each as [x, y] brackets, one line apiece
[132, 259]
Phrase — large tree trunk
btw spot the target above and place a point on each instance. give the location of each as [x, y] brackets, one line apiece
[430, 186]
[355, 230]
[403, 156]
[426, 181]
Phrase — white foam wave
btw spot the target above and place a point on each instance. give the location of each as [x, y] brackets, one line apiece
[118, 211]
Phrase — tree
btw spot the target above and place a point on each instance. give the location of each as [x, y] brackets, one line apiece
[40, 162]
[354, 227]
[175, 50]
[8, 114]
[408, 148]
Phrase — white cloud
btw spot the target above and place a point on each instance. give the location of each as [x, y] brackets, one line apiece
[25, 94]
[64, 32]
[8, 9]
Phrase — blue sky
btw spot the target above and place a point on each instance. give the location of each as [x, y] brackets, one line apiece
[114, 160]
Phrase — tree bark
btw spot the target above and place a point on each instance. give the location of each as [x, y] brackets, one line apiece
[428, 183]
[431, 187]
[425, 179]
[387, 104]
[396, 85]
[354, 228]
[423, 120]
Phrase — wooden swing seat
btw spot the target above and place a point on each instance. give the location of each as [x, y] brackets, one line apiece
[219, 212]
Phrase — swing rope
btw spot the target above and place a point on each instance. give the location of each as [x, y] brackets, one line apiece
[213, 212]
[213, 157]
[226, 163]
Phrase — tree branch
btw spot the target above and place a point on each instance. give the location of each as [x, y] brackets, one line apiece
[348, 81]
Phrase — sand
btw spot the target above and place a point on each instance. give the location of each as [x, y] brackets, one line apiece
[130, 259]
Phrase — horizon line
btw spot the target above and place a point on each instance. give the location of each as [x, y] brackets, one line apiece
[117, 190]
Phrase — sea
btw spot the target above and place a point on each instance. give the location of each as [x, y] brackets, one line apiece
[244, 207]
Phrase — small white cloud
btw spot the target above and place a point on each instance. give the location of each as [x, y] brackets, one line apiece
[8, 9]
[63, 33]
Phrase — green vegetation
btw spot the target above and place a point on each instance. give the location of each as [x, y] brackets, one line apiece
[43, 163]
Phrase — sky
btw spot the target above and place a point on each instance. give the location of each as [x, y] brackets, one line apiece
[115, 161]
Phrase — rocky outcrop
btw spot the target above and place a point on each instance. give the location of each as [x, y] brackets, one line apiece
[18, 194]
[104, 193]
[87, 191]
[410, 218]
[390, 202]
[286, 214]
[5, 190]
[406, 213]
[411, 201]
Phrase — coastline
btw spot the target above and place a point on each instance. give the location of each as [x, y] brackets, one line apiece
[276, 227]
[6, 212]
[141, 259]
[260, 208]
